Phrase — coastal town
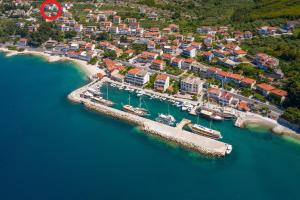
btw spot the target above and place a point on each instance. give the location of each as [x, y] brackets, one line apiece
[206, 72]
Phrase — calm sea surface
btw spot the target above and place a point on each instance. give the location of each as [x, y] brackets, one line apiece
[53, 149]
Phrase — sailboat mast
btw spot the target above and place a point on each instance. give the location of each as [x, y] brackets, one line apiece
[107, 91]
[140, 104]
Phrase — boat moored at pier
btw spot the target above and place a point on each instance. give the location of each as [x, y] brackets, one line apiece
[166, 119]
[210, 115]
[134, 110]
[202, 130]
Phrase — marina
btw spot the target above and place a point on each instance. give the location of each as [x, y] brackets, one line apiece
[163, 129]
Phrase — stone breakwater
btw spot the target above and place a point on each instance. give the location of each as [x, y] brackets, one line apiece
[183, 138]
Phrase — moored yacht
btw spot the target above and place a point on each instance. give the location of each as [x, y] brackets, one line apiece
[134, 110]
[202, 130]
[166, 119]
[211, 115]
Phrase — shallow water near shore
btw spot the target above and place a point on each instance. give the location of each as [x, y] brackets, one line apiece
[53, 149]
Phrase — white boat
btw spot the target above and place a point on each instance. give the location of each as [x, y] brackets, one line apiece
[229, 149]
[113, 85]
[166, 119]
[141, 93]
[86, 95]
[127, 88]
[178, 104]
[202, 130]
[184, 108]
[94, 91]
[211, 115]
[133, 110]
[101, 101]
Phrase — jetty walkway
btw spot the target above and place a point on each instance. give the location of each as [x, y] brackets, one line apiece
[183, 138]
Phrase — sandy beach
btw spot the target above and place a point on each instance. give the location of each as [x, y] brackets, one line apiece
[88, 69]
[246, 119]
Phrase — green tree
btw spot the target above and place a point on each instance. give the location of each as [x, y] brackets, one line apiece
[110, 54]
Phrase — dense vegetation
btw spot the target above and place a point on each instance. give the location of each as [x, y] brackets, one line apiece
[287, 49]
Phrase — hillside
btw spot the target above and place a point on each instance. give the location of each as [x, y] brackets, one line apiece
[237, 12]
[269, 9]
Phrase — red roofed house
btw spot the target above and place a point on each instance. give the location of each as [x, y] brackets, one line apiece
[157, 64]
[187, 63]
[167, 57]
[211, 71]
[112, 65]
[137, 76]
[162, 82]
[236, 78]
[243, 106]
[189, 52]
[22, 42]
[239, 53]
[176, 62]
[264, 88]
[279, 93]
[129, 52]
[225, 98]
[214, 93]
[208, 55]
[117, 19]
[150, 55]
[247, 82]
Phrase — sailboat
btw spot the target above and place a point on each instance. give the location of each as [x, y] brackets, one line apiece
[166, 119]
[208, 132]
[134, 110]
[209, 113]
[101, 100]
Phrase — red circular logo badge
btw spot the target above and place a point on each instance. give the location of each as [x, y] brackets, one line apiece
[47, 2]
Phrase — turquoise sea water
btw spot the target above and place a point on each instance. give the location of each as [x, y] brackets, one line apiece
[52, 149]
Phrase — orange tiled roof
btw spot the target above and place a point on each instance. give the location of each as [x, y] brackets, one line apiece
[159, 62]
[248, 80]
[265, 87]
[161, 77]
[279, 92]
[135, 71]
[214, 91]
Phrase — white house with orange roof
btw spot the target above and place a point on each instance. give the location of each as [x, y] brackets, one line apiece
[78, 27]
[189, 52]
[264, 88]
[177, 62]
[282, 94]
[247, 82]
[114, 30]
[137, 76]
[162, 82]
[22, 42]
[191, 85]
[117, 19]
[157, 65]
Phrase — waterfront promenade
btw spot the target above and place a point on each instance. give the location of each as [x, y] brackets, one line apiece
[181, 137]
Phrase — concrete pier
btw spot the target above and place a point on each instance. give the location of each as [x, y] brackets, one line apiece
[184, 138]
[183, 123]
